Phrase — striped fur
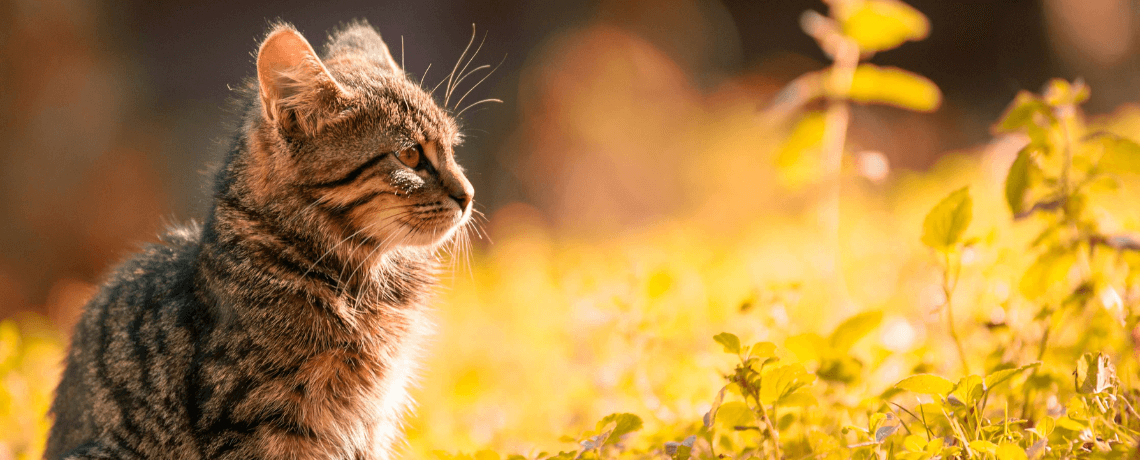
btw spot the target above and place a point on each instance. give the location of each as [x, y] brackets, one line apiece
[286, 326]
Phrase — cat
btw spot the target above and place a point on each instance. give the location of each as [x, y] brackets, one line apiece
[285, 326]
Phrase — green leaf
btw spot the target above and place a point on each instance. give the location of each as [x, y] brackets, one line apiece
[782, 381]
[710, 416]
[844, 369]
[1017, 182]
[948, 220]
[895, 87]
[730, 341]
[1121, 155]
[853, 329]
[762, 350]
[1045, 426]
[798, 398]
[680, 450]
[935, 446]
[878, 25]
[623, 424]
[1060, 92]
[1001, 376]
[1094, 374]
[1049, 270]
[968, 390]
[928, 384]
[1010, 451]
[1069, 423]
[984, 446]
[734, 414]
[1021, 112]
[914, 443]
[884, 431]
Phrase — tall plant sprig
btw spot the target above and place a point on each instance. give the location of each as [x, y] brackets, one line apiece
[1050, 181]
[942, 231]
[852, 33]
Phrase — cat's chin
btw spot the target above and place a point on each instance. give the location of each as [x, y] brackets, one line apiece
[435, 235]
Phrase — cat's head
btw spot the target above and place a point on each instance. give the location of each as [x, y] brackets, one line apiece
[347, 145]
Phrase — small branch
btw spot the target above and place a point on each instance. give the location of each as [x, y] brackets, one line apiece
[836, 84]
[948, 286]
[1117, 242]
[794, 97]
[1051, 205]
[741, 379]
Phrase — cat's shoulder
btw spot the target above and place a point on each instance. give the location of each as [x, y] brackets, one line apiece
[157, 278]
[158, 266]
[176, 248]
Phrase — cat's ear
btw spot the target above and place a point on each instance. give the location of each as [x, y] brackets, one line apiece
[297, 91]
[358, 37]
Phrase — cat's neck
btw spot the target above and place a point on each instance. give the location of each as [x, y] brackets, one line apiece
[247, 261]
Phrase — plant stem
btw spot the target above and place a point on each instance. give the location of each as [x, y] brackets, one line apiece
[754, 392]
[948, 292]
[836, 121]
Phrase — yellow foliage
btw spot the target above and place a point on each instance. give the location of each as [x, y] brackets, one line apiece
[878, 25]
[894, 86]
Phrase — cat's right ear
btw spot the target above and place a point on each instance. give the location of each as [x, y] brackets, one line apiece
[297, 92]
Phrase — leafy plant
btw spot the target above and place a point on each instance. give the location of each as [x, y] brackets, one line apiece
[1041, 394]
[1007, 335]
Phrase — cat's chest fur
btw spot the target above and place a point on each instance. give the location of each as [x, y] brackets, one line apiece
[357, 397]
[346, 392]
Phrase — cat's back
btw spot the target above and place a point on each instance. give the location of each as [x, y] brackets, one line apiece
[131, 351]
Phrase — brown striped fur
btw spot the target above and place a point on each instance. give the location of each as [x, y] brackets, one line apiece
[286, 326]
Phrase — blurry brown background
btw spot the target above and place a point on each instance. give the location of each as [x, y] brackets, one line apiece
[111, 111]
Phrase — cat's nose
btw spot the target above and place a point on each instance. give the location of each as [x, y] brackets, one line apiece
[463, 198]
[457, 186]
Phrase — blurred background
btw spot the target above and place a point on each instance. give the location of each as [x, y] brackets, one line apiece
[113, 111]
[622, 121]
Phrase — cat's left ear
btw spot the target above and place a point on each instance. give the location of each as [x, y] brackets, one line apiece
[360, 38]
[297, 92]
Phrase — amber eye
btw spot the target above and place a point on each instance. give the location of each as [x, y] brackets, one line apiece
[410, 156]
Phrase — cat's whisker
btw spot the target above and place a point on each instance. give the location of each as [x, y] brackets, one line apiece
[415, 228]
[333, 248]
[360, 290]
[477, 220]
[463, 72]
[457, 245]
[466, 238]
[481, 80]
[451, 76]
[471, 59]
[422, 77]
[462, 55]
[473, 104]
[393, 220]
[464, 77]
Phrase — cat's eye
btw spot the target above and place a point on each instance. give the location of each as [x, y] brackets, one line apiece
[410, 156]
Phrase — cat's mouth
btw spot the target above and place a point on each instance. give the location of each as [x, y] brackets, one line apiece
[434, 224]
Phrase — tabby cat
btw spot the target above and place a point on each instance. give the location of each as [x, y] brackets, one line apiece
[286, 326]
